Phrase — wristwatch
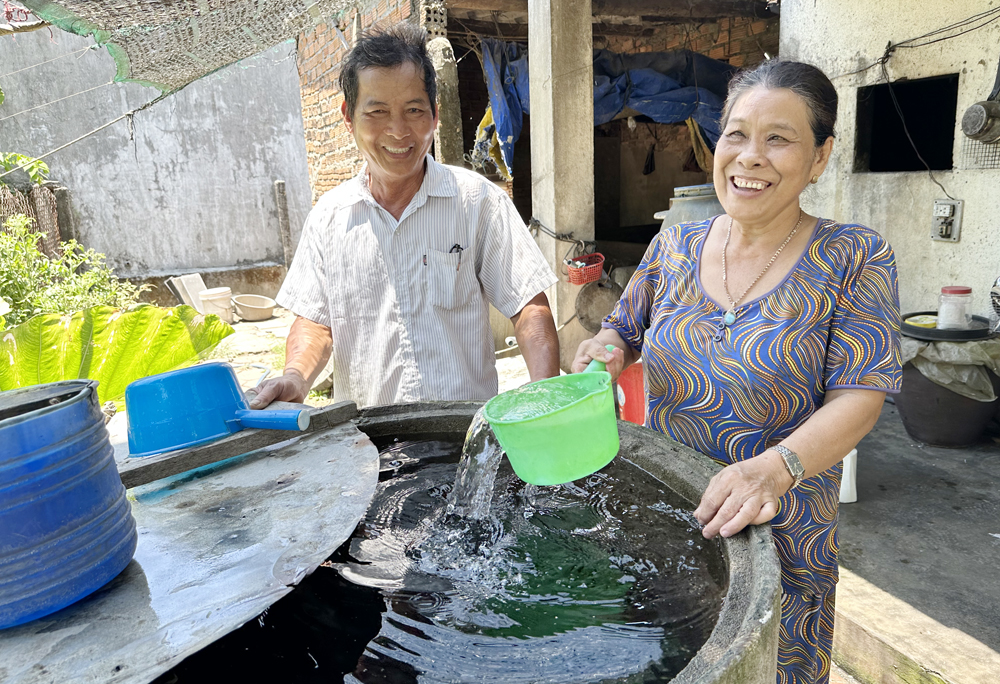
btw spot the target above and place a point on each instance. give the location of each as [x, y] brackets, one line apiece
[792, 464]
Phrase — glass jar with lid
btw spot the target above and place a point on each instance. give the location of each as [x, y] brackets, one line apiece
[953, 307]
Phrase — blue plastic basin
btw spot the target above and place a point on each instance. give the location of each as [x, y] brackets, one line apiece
[192, 406]
[66, 528]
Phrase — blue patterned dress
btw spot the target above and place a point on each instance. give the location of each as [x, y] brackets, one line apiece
[833, 322]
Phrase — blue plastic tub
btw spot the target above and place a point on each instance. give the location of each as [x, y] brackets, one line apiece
[195, 405]
[66, 528]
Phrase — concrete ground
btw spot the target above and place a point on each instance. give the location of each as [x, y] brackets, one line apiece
[919, 596]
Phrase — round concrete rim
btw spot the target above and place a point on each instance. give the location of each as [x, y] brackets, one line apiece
[743, 646]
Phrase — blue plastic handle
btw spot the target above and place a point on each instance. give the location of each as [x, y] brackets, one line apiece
[273, 420]
[596, 365]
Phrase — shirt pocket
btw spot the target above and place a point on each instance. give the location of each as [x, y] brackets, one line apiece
[450, 277]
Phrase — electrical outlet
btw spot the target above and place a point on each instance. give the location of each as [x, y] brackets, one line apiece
[947, 220]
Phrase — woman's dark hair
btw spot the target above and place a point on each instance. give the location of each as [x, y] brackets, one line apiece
[805, 80]
[388, 48]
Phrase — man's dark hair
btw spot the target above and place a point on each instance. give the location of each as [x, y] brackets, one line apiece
[388, 48]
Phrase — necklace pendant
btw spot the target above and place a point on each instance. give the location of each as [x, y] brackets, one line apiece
[729, 318]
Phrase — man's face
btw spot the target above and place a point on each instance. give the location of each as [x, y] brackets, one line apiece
[392, 124]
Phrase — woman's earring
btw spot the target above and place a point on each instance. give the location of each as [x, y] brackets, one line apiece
[815, 179]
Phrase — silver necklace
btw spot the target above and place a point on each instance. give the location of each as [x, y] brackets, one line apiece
[730, 316]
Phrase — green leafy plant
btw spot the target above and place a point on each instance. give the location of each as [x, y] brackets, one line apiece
[106, 344]
[37, 170]
[32, 283]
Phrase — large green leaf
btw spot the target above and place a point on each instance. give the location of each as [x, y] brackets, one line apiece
[106, 344]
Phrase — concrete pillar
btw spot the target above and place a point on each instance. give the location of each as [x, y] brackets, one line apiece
[561, 73]
[448, 136]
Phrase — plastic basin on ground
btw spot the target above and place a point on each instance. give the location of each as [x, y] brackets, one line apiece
[251, 307]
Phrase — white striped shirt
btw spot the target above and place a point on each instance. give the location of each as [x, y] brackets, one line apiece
[407, 309]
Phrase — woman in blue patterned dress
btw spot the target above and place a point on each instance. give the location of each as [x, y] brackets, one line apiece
[769, 339]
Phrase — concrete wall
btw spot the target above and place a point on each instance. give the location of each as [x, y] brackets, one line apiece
[845, 35]
[193, 191]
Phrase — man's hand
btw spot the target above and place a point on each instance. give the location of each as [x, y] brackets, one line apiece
[288, 387]
[307, 350]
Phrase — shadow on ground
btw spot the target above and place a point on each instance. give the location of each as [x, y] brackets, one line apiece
[926, 527]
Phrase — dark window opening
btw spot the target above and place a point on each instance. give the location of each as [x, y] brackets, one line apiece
[928, 106]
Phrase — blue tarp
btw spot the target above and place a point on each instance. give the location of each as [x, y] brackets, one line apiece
[668, 87]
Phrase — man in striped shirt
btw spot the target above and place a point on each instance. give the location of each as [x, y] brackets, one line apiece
[396, 268]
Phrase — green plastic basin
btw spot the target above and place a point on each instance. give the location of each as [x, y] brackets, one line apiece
[559, 429]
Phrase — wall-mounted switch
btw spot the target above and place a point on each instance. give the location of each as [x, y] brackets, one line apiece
[947, 220]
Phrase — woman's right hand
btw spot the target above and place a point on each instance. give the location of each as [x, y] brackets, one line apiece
[594, 349]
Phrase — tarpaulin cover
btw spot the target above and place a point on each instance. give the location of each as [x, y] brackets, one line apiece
[668, 87]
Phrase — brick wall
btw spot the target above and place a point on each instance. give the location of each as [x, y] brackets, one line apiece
[330, 149]
[740, 41]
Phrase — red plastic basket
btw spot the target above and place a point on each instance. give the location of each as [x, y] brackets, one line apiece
[580, 275]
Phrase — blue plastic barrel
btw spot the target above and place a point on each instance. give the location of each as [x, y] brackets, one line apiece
[66, 528]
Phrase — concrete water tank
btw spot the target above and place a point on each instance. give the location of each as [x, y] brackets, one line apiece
[742, 648]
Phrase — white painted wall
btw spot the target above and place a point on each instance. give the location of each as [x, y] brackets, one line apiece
[841, 36]
[193, 191]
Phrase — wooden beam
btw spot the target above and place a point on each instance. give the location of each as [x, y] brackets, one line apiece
[630, 30]
[487, 5]
[674, 9]
[681, 9]
[145, 469]
[488, 28]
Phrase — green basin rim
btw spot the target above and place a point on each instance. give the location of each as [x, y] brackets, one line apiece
[603, 387]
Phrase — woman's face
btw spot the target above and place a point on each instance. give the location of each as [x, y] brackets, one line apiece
[766, 156]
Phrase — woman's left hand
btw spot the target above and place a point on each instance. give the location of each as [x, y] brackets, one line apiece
[744, 493]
